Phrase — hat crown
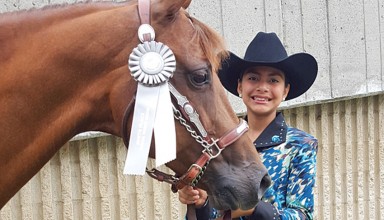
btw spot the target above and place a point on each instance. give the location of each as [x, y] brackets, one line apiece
[265, 47]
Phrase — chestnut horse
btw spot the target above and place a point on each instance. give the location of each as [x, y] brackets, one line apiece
[63, 71]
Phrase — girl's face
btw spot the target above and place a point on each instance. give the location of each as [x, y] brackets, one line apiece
[262, 89]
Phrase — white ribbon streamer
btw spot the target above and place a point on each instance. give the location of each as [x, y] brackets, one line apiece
[165, 132]
[151, 64]
[141, 131]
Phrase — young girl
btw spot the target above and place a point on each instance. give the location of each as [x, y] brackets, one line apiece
[263, 79]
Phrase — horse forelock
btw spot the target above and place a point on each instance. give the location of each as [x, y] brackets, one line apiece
[212, 43]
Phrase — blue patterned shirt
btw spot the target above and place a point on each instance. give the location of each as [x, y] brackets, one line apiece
[289, 154]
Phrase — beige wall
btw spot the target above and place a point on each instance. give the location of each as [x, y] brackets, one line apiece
[85, 181]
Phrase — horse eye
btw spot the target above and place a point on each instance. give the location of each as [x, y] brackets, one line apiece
[199, 78]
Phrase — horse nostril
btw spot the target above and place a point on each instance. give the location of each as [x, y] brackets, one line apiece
[264, 184]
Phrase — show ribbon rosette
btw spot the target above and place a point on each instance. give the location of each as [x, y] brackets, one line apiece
[152, 65]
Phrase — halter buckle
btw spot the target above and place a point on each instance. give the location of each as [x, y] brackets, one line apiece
[213, 149]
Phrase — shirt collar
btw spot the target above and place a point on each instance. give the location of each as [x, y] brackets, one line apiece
[274, 134]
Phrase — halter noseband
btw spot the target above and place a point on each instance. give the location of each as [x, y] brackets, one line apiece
[186, 114]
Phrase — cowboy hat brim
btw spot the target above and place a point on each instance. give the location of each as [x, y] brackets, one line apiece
[300, 69]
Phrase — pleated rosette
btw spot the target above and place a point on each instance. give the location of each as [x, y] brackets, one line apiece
[152, 63]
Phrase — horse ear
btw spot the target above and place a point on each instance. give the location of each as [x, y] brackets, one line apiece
[167, 8]
[186, 4]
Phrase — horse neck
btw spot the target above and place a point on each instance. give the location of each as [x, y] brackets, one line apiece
[70, 54]
[58, 73]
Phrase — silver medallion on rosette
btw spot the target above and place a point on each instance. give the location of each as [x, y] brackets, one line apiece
[151, 64]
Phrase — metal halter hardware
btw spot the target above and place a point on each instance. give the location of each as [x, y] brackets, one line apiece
[211, 147]
[190, 112]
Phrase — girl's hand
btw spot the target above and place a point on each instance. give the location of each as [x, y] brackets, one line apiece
[190, 195]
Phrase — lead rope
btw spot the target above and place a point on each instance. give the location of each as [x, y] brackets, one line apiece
[191, 212]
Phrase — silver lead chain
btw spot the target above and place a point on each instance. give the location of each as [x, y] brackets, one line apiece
[207, 146]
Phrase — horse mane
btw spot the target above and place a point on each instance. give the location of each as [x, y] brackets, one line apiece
[211, 42]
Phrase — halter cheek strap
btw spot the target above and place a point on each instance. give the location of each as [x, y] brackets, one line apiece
[144, 11]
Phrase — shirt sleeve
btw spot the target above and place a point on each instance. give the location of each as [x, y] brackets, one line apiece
[264, 210]
[204, 213]
[299, 197]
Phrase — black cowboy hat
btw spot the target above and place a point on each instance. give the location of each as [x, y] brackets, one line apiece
[266, 49]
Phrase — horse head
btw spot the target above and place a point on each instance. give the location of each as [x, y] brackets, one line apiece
[235, 177]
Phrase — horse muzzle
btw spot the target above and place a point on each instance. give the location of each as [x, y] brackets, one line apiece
[232, 194]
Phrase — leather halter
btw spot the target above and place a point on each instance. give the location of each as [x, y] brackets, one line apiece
[188, 117]
[212, 147]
